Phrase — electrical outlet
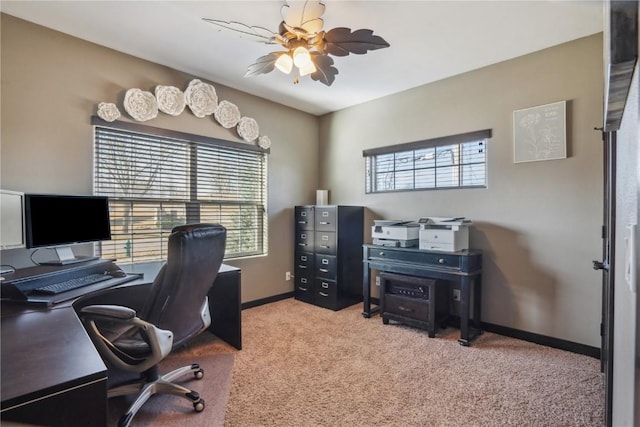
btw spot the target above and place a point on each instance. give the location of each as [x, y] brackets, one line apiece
[287, 275]
[456, 294]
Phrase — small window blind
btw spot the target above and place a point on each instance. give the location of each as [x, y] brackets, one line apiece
[456, 161]
[157, 179]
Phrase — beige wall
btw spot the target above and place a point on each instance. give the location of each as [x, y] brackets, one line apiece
[538, 223]
[51, 85]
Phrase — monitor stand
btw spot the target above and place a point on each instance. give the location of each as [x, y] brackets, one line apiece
[66, 256]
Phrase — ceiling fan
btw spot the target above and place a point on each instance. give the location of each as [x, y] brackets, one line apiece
[307, 46]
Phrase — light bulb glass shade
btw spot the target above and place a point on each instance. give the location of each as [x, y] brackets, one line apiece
[308, 69]
[284, 63]
[301, 57]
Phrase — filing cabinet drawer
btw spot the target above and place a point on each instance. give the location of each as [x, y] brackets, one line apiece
[326, 293]
[304, 262]
[326, 266]
[304, 240]
[325, 242]
[304, 289]
[304, 217]
[325, 218]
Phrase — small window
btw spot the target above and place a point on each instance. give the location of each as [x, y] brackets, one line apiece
[457, 161]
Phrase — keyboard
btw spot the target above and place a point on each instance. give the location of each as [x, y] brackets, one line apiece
[68, 285]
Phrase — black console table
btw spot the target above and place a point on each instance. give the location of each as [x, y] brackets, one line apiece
[462, 267]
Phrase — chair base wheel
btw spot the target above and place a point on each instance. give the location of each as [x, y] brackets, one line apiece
[199, 374]
[199, 405]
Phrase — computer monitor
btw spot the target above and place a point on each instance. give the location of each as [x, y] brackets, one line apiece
[11, 219]
[58, 221]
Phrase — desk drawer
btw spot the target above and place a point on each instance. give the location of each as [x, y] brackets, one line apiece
[439, 259]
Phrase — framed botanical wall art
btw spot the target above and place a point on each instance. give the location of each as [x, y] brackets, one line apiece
[539, 133]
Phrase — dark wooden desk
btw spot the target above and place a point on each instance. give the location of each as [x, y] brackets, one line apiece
[463, 267]
[52, 374]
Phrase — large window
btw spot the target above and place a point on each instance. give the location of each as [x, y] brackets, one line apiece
[157, 179]
[457, 161]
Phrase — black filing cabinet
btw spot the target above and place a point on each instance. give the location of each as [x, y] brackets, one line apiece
[328, 250]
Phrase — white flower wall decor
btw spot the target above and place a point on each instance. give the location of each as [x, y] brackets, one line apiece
[170, 100]
[141, 105]
[108, 111]
[200, 97]
[227, 114]
[248, 129]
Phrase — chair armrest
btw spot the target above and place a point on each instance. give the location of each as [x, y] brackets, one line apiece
[160, 341]
[113, 312]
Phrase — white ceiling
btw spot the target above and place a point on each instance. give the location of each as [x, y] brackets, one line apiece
[430, 40]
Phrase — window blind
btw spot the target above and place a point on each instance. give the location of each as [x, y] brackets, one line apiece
[456, 161]
[157, 181]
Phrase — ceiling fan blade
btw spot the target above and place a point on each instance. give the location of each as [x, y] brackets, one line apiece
[341, 41]
[264, 64]
[259, 34]
[325, 71]
[303, 16]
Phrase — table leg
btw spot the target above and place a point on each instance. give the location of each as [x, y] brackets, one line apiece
[464, 311]
[477, 302]
[366, 290]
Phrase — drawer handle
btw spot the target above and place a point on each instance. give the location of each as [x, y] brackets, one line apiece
[324, 270]
[325, 285]
[303, 258]
[303, 289]
[324, 223]
[442, 261]
[302, 222]
[302, 244]
[323, 294]
[405, 309]
[325, 246]
[381, 254]
[303, 280]
[302, 266]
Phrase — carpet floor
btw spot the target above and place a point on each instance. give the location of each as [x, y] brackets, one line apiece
[306, 366]
[302, 365]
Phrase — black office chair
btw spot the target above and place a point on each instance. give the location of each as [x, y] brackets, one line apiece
[175, 309]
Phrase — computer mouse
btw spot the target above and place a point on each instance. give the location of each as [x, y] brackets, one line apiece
[118, 273]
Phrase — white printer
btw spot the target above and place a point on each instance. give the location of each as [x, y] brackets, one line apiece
[402, 234]
[444, 234]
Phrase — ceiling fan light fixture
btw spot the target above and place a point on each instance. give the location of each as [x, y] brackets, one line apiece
[301, 57]
[306, 45]
[307, 69]
[284, 63]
